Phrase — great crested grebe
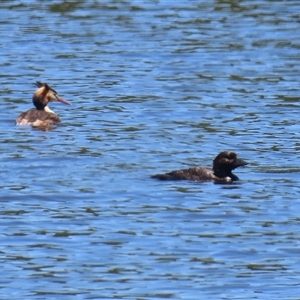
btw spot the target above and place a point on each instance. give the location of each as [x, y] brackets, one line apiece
[42, 115]
[223, 164]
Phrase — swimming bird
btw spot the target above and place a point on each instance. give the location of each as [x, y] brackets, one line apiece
[41, 115]
[223, 164]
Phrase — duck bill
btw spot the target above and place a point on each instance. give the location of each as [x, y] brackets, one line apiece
[63, 101]
[240, 163]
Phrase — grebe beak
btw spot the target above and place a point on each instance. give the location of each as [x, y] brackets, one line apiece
[63, 100]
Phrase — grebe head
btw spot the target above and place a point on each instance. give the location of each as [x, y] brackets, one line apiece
[45, 94]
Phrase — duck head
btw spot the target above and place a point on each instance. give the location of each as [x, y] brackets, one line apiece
[225, 162]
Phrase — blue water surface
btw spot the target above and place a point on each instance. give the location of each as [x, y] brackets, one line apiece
[155, 86]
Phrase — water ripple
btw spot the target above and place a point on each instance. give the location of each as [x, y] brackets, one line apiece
[155, 86]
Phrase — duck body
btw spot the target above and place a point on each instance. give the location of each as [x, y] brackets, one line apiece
[41, 115]
[221, 171]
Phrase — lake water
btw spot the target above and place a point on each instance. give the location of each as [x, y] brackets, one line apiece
[155, 86]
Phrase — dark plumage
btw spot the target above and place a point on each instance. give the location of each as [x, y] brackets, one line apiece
[223, 164]
[41, 115]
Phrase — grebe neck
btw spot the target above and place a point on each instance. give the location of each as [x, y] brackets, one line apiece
[47, 109]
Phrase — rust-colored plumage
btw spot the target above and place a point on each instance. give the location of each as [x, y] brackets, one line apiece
[221, 172]
[41, 115]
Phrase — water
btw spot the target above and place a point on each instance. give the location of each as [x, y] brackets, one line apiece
[155, 86]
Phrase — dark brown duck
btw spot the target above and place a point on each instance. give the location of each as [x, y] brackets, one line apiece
[41, 115]
[221, 171]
